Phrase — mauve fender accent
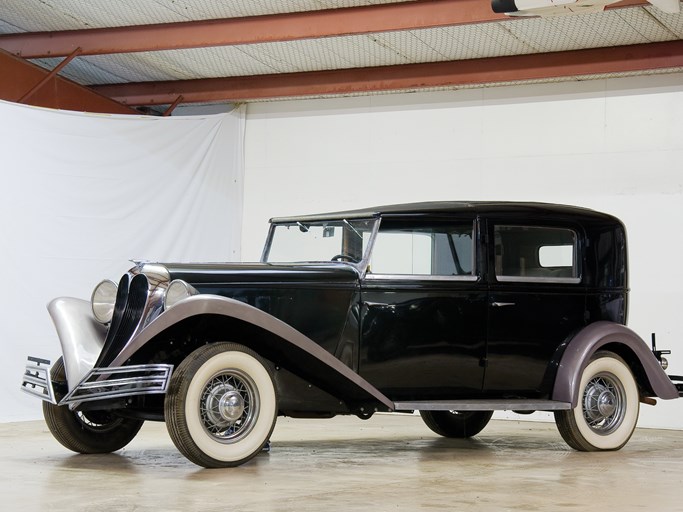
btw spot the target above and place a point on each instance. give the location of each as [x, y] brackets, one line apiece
[216, 305]
[592, 338]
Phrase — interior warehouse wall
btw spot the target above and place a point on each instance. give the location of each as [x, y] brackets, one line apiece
[82, 194]
[612, 145]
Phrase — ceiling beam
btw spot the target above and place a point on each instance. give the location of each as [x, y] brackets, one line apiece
[54, 72]
[18, 76]
[617, 59]
[410, 15]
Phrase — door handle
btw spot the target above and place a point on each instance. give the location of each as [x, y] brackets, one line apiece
[502, 304]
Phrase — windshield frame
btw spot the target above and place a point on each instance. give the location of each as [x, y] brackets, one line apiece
[361, 266]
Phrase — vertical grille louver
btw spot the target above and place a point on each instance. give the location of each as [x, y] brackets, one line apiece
[130, 305]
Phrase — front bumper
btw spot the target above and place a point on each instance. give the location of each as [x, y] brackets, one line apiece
[99, 383]
[37, 380]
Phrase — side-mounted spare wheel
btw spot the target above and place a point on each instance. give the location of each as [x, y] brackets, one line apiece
[87, 431]
[608, 407]
[221, 405]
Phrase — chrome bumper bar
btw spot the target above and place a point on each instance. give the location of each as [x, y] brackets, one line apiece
[37, 380]
[99, 383]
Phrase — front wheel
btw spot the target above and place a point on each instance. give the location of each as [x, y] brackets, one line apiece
[608, 407]
[221, 405]
[457, 424]
[87, 431]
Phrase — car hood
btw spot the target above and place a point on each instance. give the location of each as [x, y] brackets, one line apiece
[200, 274]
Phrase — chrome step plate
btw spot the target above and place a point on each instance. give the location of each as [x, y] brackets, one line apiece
[483, 405]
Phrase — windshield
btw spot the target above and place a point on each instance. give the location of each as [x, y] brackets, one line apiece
[330, 240]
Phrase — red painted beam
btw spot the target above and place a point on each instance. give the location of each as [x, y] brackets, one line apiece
[252, 29]
[411, 76]
[55, 71]
[18, 76]
[257, 29]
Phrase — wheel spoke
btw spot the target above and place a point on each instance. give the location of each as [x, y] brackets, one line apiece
[603, 404]
[226, 406]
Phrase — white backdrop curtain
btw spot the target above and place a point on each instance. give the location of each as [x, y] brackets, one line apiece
[84, 193]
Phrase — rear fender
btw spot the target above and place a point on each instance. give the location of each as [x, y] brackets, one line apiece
[283, 345]
[595, 336]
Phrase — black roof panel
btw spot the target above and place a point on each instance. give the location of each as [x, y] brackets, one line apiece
[437, 207]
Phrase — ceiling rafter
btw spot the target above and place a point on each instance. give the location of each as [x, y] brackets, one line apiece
[618, 59]
[410, 15]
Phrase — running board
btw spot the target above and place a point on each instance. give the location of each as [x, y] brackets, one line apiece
[484, 405]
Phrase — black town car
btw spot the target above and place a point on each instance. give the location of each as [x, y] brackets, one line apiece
[451, 309]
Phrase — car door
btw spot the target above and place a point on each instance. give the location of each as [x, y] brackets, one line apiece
[536, 301]
[423, 310]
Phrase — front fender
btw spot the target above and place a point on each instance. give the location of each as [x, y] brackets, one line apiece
[283, 344]
[590, 339]
[80, 336]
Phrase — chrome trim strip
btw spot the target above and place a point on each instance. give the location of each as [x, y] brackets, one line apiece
[417, 277]
[37, 380]
[484, 405]
[146, 379]
[364, 264]
[523, 279]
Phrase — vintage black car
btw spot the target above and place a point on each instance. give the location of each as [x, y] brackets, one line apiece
[451, 309]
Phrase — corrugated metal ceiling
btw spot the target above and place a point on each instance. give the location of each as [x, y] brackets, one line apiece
[40, 15]
[640, 24]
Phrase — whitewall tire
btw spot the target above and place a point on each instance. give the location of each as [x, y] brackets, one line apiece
[221, 405]
[607, 412]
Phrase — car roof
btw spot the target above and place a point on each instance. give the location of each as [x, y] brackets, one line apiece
[449, 207]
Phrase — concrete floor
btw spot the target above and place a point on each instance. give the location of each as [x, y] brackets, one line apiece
[386, 463]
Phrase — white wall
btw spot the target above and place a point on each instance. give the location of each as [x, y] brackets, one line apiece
[611, 145]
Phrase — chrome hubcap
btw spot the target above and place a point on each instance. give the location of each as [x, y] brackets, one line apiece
[229, 406]
[604, 403]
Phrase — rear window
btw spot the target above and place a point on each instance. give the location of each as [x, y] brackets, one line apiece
[536, 254]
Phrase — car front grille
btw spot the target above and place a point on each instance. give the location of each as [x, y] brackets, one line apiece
[131, 299]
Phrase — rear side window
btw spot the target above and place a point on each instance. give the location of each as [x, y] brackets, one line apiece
[536, 254]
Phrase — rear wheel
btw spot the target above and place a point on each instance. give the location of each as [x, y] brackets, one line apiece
[221, 405]
[87, 431]
[457, 424]
[608, 407]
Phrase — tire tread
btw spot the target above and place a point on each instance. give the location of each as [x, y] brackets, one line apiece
[69, 431]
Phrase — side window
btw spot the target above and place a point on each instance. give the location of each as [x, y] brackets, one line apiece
[423, 250]
[536, 254]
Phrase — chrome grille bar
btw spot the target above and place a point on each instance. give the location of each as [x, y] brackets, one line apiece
[103, 383]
